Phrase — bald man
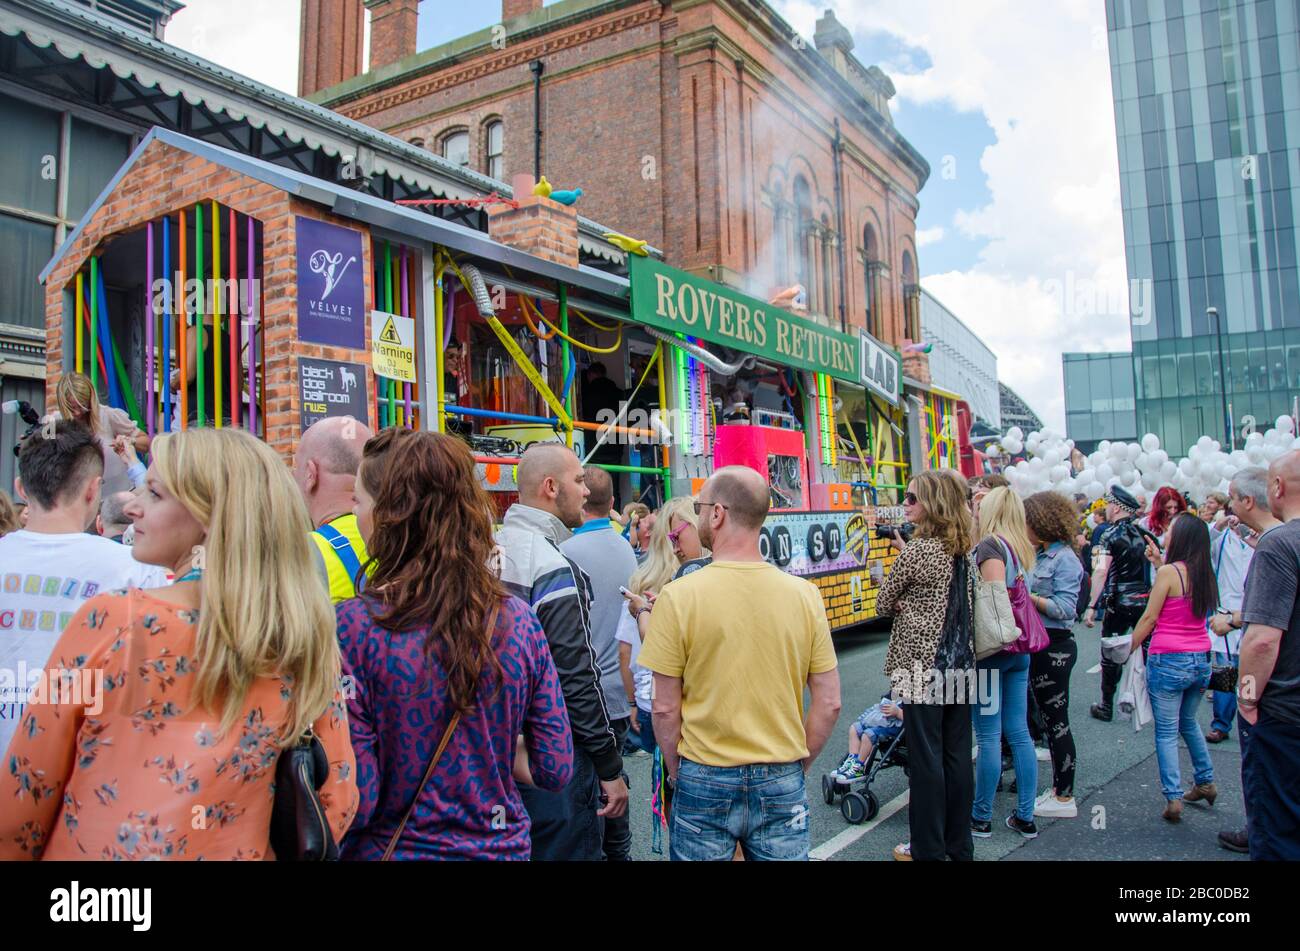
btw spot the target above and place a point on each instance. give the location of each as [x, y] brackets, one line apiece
[732, 647]
[566, 825]
[325, 468]
[1268, 684]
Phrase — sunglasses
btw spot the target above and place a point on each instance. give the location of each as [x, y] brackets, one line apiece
[676, 533]
[700, 506]
[910, 498]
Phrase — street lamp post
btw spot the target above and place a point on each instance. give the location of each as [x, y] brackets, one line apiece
[1223, 377]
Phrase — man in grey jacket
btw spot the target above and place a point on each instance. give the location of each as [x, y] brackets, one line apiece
[565, 825]
[604, 554]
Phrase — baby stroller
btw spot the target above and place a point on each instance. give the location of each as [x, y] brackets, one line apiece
[858, 803]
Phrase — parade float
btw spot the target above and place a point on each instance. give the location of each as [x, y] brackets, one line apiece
[209, 288]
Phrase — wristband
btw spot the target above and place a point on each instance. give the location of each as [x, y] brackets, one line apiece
[642, 611]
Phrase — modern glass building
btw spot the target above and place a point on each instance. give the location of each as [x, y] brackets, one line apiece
[1099, 400]
[1207, 111]
[960, 361]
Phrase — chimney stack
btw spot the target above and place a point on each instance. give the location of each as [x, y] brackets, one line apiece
[392, 30]
[331, 43]
[538, 226]
[517, 8]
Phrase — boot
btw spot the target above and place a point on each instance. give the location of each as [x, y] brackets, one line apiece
[1174, 810]
[1207, 791]
[1102, 712]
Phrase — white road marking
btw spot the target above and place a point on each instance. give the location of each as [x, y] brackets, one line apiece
[1095, 670]
[850, 835]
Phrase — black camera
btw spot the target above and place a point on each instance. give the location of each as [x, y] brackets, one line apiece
[27, 413]
[903, 532]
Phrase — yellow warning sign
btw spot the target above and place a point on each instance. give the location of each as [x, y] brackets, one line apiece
[392, 346]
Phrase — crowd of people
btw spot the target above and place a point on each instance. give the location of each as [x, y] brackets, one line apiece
[472, 689]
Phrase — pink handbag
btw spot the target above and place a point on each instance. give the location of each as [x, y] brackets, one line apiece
[1033, 635]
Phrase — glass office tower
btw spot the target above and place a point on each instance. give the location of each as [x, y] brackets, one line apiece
[1207, 111]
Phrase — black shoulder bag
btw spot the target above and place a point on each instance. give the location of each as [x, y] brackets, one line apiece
[300, 831]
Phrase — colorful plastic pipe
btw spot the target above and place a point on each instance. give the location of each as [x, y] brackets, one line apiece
[252, 337]
[198, 317]
[182, 330]
[81, 363]
[148, 325]
[167, 328]
[501, 414]
[94, 321]
[232, 310]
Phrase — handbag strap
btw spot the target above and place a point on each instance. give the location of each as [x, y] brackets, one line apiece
[1011, 555]
[437, 755]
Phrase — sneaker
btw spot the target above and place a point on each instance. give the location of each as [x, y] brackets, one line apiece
[1103, 713]
[1049, 807]
[903, 852]
[981, 830]
[849, 770]
[1026, 829]
[1044, 756]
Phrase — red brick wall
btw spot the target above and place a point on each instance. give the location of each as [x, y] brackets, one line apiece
[166, 180]
[659, 83]
[514, 8]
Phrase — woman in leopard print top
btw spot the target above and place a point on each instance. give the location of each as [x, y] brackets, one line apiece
[930, 637]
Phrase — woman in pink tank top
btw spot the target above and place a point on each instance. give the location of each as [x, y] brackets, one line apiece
[1178, 665]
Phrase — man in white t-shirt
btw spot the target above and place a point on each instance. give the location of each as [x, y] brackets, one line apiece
[51, 567]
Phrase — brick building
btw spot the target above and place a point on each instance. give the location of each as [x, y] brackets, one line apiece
[707, 127]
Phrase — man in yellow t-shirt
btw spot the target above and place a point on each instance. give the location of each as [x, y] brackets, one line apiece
[325, 468]
[732, 646]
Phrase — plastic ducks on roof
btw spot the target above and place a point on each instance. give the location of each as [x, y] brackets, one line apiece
[566, 197]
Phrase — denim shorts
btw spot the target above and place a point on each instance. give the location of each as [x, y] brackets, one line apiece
[866, 725]
[763, 807]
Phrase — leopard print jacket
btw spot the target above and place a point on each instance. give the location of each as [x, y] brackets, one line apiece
[916, 595]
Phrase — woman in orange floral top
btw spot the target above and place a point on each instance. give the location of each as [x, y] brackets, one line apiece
[155, 729]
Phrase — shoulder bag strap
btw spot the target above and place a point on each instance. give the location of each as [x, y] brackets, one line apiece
[433, 762]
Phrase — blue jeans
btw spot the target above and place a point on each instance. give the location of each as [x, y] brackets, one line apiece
[646, 737]
[1225, 704]
[763, 807]
[1176, 683]
[1004, 711]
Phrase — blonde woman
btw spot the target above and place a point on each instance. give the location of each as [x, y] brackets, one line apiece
[8, 515]
[173, 753]
[674, 550]
[1004, 553]
[119, 437]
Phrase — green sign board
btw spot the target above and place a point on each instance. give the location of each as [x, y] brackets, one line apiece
[672, 300]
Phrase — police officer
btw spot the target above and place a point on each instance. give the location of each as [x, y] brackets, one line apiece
[1121, 584]
[325, 468]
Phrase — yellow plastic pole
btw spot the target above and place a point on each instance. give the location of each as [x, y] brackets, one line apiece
[80, 364]
[440, 377]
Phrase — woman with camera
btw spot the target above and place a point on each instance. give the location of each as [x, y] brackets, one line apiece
[930, 594]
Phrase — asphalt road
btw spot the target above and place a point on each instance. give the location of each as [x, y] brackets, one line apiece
[1116, 785]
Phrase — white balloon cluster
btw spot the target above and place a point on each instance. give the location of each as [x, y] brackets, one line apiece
[1141, 468]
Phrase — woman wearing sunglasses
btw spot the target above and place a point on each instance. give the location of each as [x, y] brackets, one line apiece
[930, 594]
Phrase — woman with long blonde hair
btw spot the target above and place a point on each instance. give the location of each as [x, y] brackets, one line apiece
[1004, 554]
[204, 682]
[119, 437]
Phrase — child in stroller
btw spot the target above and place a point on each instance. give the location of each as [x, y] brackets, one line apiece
[875, 742]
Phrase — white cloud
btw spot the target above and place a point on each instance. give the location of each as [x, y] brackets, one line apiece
[1040, 74]
[929, 235]
[254, 38]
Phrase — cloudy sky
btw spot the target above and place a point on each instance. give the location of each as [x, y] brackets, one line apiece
[1010, 102]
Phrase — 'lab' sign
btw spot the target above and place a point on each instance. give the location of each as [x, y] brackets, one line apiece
[880, 368]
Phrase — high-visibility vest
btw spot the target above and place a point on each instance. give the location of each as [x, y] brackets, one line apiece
[344, 552]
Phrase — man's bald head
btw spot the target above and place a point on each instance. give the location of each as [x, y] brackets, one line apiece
[551, 479]
[600, 489]
[743, 491]
[1284, 486]
[334, 444]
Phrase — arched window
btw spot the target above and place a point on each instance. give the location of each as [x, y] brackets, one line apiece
[911, 300]
[494, 139]
[803, 229]
[871, 262]
[455, 147]
[417, 141]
